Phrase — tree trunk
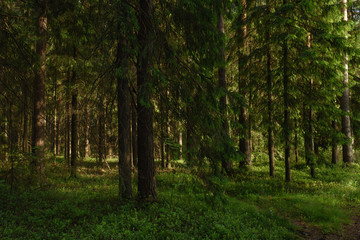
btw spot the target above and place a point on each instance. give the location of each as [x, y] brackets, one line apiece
[345, 105]
[25, 120]
[74, 122]
[39, 122]
[146, 165]
[134, 134]
[244, 138]
[286, 126]
[124, 137]
[334, 146]
[225, 162]
[101, 129]
[68, 123]
[270, 104]
[87, 133]
[163, 124]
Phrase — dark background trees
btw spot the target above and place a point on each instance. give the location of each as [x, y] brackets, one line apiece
[206, 80]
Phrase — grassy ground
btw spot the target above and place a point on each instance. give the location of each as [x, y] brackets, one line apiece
[248, 206]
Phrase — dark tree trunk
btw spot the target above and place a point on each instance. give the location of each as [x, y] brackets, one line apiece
[134, 134]
[68, 123]
[101, 129]
[334, 146]
[226, 163]
[74, 120]
[345, 106]
[270, 106]
[25, 120]
[146, 165]
[163, 124]
[39, 122]
[124, 137]
[87, 133]
[244, 138]
[286, 127]
[57, 136]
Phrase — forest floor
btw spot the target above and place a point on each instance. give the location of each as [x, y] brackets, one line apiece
[348, 232]
[193, 204]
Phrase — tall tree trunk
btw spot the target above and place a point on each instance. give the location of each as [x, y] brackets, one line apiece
[134, 134]
[124, 137]
[309, 130]
[87, 132]
[334, 146]
[39, 122]
[101, 129]
[57, 136]
[244, 138]
[270, 103]
[286, 126]
[74, 122]
[68, 123]
[146, 165]
[181, 144]
[345, 105]
[54, 129]
[163, 124]
[225, 162]
[25, 120]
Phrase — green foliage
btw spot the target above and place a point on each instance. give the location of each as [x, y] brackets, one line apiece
[250, 206]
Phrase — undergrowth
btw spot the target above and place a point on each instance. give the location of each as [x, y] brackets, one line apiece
[250, 205]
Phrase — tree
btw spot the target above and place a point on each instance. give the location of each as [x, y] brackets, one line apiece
[39, 122]
[345, 103]
[146, 165]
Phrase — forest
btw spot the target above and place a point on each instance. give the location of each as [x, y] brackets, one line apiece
[179, 119]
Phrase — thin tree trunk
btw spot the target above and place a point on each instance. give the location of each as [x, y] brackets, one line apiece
[146, 165]
[225, 162]
[181, 144]
[270, 105]
[39, 122]
[286, 126]
[74, 122]
[134, 134]
[68, 123]
[162, 132]
[101, 129]
[334, 146]
[244, 138]
[345, 105]
[57, 137]
[87, 132]
[25, 121]
[124, 137]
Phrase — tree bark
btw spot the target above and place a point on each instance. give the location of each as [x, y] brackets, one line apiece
[146, 165]
[345, 105]
[244, 138]
[270, 103]
[226, 163]
[39, 122]
[68, 121]
[74, 122]
[309, 131]
[101, 129]
[25, 120]
[124, 137]
[334, 146]
[134, 134]
[286, 126]
[87, 132]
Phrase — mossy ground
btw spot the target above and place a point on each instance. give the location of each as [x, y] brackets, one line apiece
[249, 205]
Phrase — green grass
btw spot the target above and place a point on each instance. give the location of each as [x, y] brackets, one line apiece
[248, 206]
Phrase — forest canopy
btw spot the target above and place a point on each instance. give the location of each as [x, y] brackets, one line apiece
[209, 88]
